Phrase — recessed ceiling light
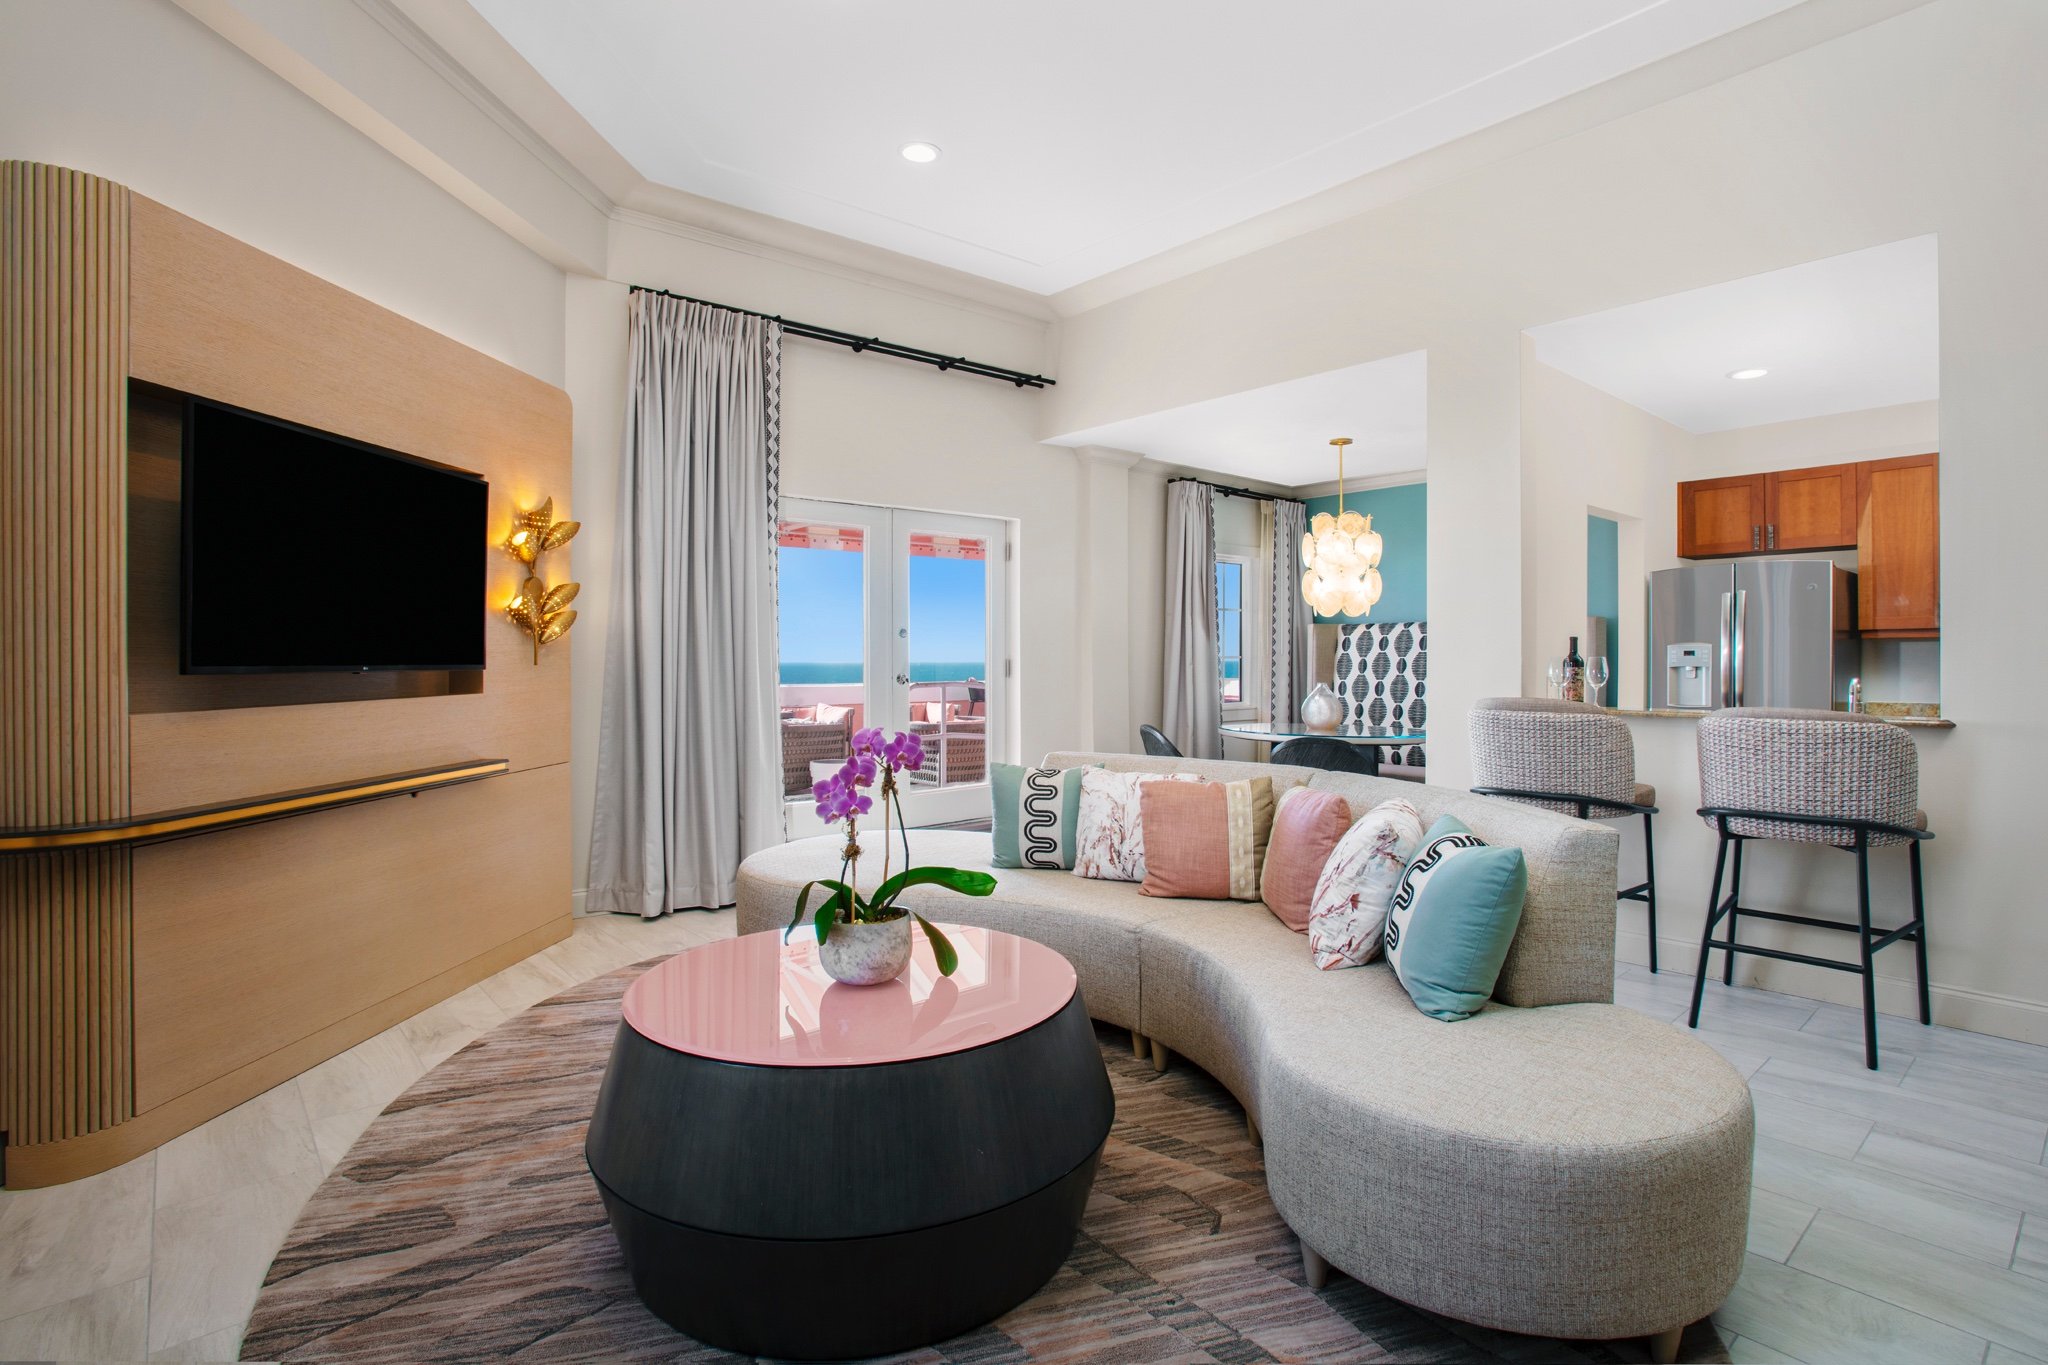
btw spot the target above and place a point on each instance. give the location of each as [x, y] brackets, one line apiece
[920, 152]
[1732, 374]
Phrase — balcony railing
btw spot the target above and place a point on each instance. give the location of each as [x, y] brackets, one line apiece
[818, 721]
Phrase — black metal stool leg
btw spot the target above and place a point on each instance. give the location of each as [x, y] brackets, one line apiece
[1699, 978]
[1650, 883]
[1920, 933]
[1863, 937]
[1734, 912]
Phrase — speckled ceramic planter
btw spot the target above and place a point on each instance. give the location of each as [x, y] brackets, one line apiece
[867, 954]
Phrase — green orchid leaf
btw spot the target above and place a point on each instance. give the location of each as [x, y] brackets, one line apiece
[824, 922]
[841, 893]
[960, 879]
[942, 947]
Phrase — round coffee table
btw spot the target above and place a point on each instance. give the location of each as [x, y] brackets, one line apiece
[806, 1170]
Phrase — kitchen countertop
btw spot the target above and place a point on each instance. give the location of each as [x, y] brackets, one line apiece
[1912, 714]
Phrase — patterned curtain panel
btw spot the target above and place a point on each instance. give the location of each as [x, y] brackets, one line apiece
[1194, 689]
[1291, 647]
[1383, 679]
[689, 776]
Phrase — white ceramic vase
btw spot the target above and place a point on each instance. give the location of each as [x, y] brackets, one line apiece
[867, 954]
[1320, 709]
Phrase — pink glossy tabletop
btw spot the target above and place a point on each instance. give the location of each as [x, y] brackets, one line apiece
[756, 1001]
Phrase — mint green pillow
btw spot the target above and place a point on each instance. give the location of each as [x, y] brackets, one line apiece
[1452, 919]
[1035, 814]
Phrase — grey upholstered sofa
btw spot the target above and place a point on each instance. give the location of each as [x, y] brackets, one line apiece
[1555, 1165]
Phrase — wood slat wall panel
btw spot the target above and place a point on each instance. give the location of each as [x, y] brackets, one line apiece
[66, 964]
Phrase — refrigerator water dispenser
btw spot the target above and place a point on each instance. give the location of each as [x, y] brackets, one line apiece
[1690, 665]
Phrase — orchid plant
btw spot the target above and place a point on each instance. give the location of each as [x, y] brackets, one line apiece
[843, 798]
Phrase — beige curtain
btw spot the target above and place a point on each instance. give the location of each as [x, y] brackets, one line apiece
[688, 762]
[1194, 698]
[1293, 624]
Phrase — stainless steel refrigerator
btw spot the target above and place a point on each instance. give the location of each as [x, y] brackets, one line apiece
[1754, 632]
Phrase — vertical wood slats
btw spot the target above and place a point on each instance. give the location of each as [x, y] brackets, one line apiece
[66, 973]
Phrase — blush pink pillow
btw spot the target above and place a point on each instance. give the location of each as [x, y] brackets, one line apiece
[1205, 840]
[1307, 828]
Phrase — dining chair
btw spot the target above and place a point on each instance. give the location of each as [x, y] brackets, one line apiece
[1315, 751]
[1156, 743]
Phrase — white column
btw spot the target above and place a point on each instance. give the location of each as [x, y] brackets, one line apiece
[1102, 593]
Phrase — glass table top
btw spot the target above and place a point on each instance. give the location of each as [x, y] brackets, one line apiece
[759, 1002]
[1347, 733]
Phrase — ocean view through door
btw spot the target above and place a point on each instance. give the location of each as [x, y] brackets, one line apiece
[891, 618]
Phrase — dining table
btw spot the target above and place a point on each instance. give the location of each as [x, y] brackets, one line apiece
[1371, 738]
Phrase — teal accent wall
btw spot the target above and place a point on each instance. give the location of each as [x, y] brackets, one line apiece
[1603, 593]
[1401, 515]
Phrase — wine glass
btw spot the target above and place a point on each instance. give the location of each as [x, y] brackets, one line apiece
[1555, 673]
[1597, 674]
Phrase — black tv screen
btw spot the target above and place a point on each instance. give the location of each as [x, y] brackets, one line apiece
[309, 552]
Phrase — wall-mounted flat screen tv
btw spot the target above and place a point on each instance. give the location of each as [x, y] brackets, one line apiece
[309, 552]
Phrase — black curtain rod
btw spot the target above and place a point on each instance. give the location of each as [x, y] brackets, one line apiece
[1228, 491]
[854, 342]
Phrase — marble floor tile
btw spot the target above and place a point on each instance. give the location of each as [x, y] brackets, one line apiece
[211, 1349]
[209, 1257]
[1797, 1045]
[1938, 1078]
[526, 983]
[107, 1324]
[69, 1240]
[2030, 1257]
[1899, 1203]
[2005, 1355]
[2016, 1184]
[267, 1138]
[1806, 1124]
[440, 1031]
[1746, 1004]
[1901, 1110]
[1743, 1351]
[373, 1072]
[1982, 1300]
[1824, 1323]
[1976, 1051]
[334, 1134]
[1776, 1223]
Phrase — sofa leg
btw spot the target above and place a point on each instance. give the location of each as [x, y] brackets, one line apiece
[1664, 1346]
[1159, 1055]
[1314, 1267]
[1251, 1130]
[1140, 1045]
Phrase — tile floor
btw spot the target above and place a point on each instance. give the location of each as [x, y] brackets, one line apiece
[1900, 1215]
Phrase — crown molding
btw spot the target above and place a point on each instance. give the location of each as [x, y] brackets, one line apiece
[1398, 479]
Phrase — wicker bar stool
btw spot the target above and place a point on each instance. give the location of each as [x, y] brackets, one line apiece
[1570, 757]
[1814, 777]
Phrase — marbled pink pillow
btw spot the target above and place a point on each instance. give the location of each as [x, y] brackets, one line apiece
[1348, 914]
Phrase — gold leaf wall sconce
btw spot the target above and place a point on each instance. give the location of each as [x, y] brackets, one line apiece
[541, 611]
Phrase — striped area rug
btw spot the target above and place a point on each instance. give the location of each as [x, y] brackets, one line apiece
[463, 1226]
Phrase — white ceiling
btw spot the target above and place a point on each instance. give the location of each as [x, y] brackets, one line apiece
[1078, 136]
[1840, 335]
[1281, 434]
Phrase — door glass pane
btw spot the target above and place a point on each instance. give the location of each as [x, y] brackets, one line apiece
[1230, 628]
[821, 599]
[948, 637]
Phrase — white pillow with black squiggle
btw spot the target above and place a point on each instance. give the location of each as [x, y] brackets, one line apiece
[1035, 820]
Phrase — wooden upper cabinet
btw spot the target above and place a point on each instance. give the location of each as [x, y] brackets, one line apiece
[1810, 509]
[1898, 547]
[1721, 516]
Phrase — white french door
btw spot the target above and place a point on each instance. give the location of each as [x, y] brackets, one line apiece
[893, 618]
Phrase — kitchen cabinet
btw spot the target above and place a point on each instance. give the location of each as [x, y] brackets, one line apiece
[1898, 547]
[1721, 516]
[1810, 509]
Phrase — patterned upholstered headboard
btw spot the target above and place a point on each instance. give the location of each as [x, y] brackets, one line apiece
[1383, 676]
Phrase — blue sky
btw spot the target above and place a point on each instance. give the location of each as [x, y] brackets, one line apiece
[821, 608]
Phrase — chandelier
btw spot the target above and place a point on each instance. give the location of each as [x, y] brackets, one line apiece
[1340, 557]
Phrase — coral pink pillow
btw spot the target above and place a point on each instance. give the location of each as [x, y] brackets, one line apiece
[1205, 840]
[1306, 830]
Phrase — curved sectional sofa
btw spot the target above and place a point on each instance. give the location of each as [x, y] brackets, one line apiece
[1556, 1165]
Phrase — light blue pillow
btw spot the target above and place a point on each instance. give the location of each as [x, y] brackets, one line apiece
[1035, 815]
[1452, 919]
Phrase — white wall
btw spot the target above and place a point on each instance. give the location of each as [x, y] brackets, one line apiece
[1929, 122]
[142, 93]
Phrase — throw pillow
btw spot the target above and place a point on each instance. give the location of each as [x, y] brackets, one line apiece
[1205, 840]
[1307, 827]
[1110, 830]
[1035, 817]
[832, 715]
[1453, 919]
[1349, 909]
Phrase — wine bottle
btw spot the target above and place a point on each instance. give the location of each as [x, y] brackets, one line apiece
[1574, 672]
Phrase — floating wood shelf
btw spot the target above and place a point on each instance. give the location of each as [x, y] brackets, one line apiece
[178, 824]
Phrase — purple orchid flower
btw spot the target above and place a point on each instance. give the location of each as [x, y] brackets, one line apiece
[904, 753]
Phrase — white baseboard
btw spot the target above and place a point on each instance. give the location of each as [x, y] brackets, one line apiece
[2001, 1016]
[579, 901]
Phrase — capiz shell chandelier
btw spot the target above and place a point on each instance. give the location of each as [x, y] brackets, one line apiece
[1340, 556]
